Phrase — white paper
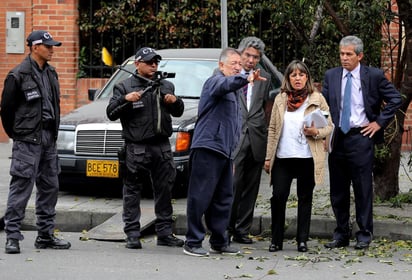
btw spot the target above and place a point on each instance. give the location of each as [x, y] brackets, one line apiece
[317, 117]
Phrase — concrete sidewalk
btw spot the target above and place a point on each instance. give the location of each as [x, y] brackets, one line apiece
[77, 213]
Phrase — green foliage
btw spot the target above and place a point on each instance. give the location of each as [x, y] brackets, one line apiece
[401, 198]
[396, 201]
[382, 152]
[284, 25]
[82, 62]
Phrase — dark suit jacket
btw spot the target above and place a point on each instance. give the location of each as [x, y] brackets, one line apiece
[375, 89]
[254, 119]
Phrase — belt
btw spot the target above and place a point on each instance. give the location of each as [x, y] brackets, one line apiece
[353, 131]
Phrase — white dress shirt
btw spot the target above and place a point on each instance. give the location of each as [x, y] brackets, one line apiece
[358, 116]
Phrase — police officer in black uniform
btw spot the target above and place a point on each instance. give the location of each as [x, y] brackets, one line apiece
[30, 113]
[144, 103]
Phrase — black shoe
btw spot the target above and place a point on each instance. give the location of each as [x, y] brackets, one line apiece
[275, 248]
[302, 247]
[2, 223]
[170, 240]
[337, 244]
[361, 245]
[243, 239]
[133, 243]
[51, 241]
[12, 246]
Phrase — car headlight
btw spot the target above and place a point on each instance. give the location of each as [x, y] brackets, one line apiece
[172, 140]
[180, 141]
[65, 140]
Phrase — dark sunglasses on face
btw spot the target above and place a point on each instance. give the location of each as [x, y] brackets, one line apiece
[150, 62]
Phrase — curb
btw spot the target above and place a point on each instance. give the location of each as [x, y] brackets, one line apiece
[321, 226]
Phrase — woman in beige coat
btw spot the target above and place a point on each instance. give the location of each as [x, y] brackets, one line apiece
[295, 150]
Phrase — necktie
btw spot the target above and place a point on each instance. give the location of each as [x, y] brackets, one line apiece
[345, 123]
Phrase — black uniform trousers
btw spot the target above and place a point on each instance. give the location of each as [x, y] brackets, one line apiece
[283, 172]
[33, 163]
[145, 161]
[351, 161]
[210, 194]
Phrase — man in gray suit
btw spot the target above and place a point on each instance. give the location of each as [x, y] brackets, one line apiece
[250, 153]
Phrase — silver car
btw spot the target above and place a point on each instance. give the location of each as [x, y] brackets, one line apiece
[88, 141]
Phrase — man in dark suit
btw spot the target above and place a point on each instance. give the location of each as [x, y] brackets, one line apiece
[355, 94]
[250, 153]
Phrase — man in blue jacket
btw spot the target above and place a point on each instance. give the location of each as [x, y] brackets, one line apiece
[215, 137]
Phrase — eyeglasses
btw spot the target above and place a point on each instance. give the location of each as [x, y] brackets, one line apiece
[150, 62]
[233, 64]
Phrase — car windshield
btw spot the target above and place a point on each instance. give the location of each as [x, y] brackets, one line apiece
[189, 79]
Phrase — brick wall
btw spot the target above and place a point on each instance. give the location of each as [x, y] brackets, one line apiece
[389, 55]
[83, 86]
[59, 17]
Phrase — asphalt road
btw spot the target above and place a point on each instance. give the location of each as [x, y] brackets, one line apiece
[92, 259]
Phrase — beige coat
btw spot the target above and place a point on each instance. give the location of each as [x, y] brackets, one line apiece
[317, 146]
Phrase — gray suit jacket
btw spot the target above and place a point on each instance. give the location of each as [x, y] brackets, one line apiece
[254, 120]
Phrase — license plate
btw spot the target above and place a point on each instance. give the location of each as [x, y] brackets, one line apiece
[102, 168]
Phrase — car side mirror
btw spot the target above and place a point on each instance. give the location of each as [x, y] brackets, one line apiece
[92, 93]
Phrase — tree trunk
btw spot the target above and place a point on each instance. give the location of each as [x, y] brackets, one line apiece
[386, 173]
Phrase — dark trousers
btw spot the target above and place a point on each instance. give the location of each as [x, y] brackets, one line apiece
[210, 194]
[153, 162]
[283, 172]
[246, 188]
[351, 161]
[33, 163]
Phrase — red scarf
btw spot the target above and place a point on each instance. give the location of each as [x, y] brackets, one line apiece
[296, 99]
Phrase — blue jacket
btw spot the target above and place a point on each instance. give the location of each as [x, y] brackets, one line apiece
[219, 115]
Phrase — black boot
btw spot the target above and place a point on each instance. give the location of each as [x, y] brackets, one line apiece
[12, 246]
[51, 241]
